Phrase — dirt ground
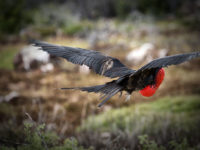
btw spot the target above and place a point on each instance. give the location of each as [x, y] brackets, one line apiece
[62, 111]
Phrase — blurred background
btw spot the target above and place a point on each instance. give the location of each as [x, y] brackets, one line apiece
[35, 115]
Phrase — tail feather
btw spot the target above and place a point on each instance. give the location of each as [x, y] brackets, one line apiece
[107, 90]
[95, 89]
[108, 96]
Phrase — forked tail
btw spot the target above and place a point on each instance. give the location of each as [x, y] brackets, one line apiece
[108, 90]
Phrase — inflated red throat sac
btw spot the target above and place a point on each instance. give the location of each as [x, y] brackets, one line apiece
[150, 90]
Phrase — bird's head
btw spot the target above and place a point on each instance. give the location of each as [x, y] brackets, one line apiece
[150, 90]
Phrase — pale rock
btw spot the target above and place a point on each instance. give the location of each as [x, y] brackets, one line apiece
[30, 57]
[138, 55]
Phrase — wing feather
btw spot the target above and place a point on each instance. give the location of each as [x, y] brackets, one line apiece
[164, 62]
[169, 60]
[93, 59]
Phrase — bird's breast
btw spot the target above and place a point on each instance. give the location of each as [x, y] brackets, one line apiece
[150, 90]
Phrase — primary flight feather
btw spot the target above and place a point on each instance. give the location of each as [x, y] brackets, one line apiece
[147, 79]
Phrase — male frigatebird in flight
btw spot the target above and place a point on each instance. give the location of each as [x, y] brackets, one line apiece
[147, 79]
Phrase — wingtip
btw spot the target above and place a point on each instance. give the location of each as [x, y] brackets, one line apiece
[198, 53]
[195, 54]
[35, 42]
[32, 41]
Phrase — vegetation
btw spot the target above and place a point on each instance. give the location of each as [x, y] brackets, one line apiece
[147, 144]
[173, 121]
[19, 15]
[37, 138]
[140, 116]
[14, 16]
[7, 56]
[169, 119]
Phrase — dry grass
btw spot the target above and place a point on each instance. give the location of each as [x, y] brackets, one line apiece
[64, 110]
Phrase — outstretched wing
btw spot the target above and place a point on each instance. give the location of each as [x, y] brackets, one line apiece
[99, 63]
[169, 60]
[144, 75]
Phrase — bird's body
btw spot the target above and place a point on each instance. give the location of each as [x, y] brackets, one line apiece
[147, 79]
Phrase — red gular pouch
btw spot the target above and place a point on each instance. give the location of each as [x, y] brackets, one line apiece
[150, 90]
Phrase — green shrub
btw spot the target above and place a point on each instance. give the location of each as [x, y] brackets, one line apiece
[73, 29]
[37, 138]
[123, 8]
[147, 144]
[7, 56]
[14, 16]
[45, 30]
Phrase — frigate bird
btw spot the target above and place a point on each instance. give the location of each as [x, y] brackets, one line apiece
[146, 79]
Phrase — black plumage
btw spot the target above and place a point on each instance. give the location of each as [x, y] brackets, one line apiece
[128, 80]
[99, 63]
